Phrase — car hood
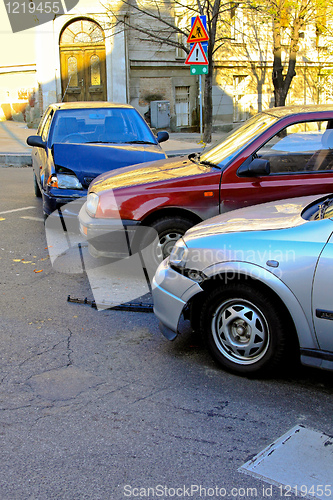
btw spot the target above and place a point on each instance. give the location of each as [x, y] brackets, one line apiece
[156, 171]
[280, 214]
[90, 160]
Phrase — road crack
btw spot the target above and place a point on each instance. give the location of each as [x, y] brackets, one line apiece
[69, 350]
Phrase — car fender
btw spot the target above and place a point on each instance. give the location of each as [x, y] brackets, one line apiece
[162, 207]
[161, 200]
[48, 169]
[304, 330]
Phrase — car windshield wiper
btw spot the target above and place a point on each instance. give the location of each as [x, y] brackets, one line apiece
[195, 157]
[138, 142]
[210, 164]
[96, 142]
[106, 142]
[324, 206]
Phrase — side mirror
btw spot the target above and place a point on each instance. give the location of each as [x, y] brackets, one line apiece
[162, 136]
[256, 167]
[36, 141]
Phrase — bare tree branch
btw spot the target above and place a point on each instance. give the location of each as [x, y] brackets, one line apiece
[154, 23]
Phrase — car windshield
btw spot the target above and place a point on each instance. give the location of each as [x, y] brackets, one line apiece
[100, 125]
[238, 139]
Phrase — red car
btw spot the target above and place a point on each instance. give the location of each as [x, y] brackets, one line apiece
[280, 153]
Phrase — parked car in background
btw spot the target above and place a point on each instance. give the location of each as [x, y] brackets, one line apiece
[256, 283]
[282, 152]
[78, 141]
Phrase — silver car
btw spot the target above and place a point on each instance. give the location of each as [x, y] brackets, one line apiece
[257, 283]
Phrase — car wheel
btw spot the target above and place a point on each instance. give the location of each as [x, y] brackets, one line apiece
[36, 188]
[243, 330]
[168, 230]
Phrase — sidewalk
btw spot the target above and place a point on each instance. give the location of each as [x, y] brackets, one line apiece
[14, 150]
[188, 142]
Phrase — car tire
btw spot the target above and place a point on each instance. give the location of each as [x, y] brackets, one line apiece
[243, 330]
[168, 230]
[38, 193]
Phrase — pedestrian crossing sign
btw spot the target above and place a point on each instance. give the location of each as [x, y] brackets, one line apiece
[198, 32]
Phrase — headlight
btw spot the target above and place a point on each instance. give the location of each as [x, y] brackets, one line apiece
[68, 182]
[178, 254]
[178, 259]
[64, 181]
[92, 203]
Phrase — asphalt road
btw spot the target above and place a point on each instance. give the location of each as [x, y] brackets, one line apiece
[98, 405]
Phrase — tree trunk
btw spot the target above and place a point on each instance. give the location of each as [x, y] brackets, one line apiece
[282, 83]
[277, 75]
[208, 98]
[279, 96]
[208, 105]
[213, 9]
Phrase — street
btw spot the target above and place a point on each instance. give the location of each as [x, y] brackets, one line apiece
[97, 404]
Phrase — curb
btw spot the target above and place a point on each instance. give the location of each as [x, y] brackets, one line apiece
[15, 160]
[173, 154]
[183, 152]
[24, 159]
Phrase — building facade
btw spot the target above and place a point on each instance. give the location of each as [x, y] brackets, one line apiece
[95, 53]
[82, 56]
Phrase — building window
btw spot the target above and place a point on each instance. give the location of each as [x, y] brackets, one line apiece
[239, 93]
[325, 88]
[180, 38]
[95, 71]
[237, 24]
[81, 32]
[72, 72]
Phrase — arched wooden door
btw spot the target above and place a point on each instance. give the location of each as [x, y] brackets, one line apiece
[82, 59]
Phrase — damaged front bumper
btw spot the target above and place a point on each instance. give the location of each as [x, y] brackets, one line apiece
[171, 292]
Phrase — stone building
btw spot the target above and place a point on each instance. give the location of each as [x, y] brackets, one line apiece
[81, 55]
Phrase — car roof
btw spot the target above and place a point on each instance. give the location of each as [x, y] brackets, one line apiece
[283, 111]
[88, 105]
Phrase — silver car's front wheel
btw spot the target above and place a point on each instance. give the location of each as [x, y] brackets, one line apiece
[240, 331]
[244, 331]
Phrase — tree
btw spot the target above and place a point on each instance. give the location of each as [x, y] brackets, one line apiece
[251, 47]
[273, 34]
[157, 22]
[289, 19]
[291, 16]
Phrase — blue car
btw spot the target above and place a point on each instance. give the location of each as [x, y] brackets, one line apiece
[78, 141]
